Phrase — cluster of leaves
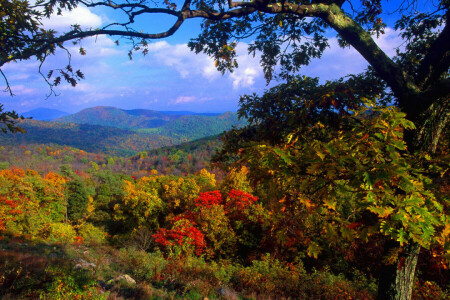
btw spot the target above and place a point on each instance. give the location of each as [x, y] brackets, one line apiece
[219, 226]
[8, 121]
[183, 238]
[30, 203]
[357, 181]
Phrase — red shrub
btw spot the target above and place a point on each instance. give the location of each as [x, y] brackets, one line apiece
[209, 199]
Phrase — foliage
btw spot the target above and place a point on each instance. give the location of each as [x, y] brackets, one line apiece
[77, 199]
[182, 239]
[7, 121]
[225, 225]
[357, 181]
[143, 265]
[236, 178]
[92, 235]
[61, 233]
[141, 204]
[29, 202]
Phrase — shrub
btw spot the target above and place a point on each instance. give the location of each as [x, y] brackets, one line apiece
[270, 276]
[92, 235]
[61, 233]
[182, 239]
[142, 265]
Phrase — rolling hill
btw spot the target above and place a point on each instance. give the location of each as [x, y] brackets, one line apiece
[134, 130]
[131, 119]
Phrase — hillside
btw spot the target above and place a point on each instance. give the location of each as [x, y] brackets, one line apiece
[91, 138]
[130, 119]
[115, 117]
[191, 127]
[122, 141]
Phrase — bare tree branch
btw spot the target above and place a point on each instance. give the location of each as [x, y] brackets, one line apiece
[8, 87]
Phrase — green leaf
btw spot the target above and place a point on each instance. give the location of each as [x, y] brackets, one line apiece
[368, 178]
[400, 145]
[313, 250]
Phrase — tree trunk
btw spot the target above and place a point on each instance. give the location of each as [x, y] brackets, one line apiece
[396, 281]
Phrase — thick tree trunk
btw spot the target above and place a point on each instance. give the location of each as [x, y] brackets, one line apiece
[396, 281]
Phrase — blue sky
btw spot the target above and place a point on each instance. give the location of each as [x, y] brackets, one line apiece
[170, 77]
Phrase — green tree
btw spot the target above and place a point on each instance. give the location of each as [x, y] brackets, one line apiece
[339, 165]
[77, 199]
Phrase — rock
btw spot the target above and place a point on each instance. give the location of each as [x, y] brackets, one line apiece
[84, 265]
[127, 279]
[228, 293]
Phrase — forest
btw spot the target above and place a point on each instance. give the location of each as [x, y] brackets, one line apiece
[333, 189]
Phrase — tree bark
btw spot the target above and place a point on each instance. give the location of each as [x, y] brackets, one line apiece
[397, 281]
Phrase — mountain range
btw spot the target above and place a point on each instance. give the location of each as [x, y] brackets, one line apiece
[130, 119]
[116, 131]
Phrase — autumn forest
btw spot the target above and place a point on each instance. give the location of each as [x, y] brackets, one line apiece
[313, 189]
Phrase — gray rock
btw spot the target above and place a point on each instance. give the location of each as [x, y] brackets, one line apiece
[84, 265]
[126, 278]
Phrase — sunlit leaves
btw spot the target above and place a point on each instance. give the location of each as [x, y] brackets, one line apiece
[29, 202]
[357, 174]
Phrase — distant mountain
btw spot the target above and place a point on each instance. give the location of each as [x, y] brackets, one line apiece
[184, 124]
[193, 127]
[90, 138]
[190, 113]
[44, 114]
[120, 118]
[123, 132]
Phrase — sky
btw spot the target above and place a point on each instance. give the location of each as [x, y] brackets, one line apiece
[169, 77]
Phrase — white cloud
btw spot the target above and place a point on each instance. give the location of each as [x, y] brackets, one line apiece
[184, 99]
[189, 99]
[82, 87]
[80, 15]
[187, 63]
[244, 77]
[184, 61]
[21, 90]
[337, 62]
[249, 70]
[389, 41]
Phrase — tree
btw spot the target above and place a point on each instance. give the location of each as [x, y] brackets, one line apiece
[344, 175]
[77, 199]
